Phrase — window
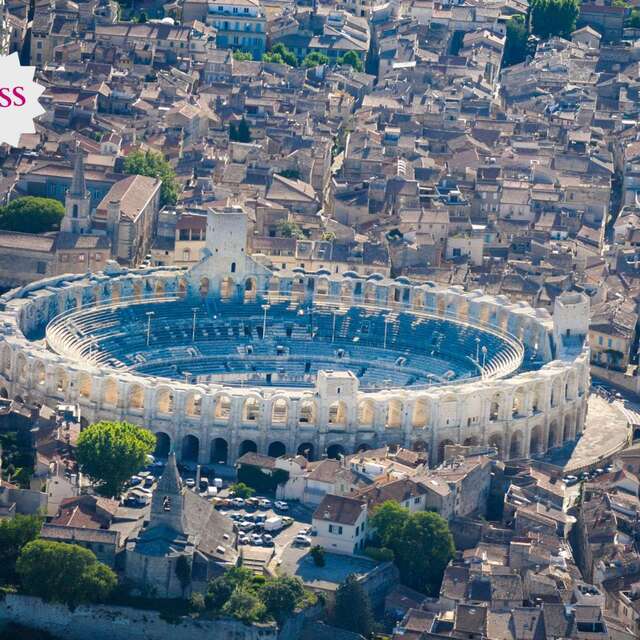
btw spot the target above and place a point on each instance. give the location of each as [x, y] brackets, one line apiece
[184, 234]
[233, 267]
[416, 501]
[357, 530]
[186, 255]
[600, 340]
[81, 257]
[610, 343]
[98, 256]
[39, 44]
[74, 211]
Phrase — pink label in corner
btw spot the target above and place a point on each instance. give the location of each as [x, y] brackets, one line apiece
[18, 99]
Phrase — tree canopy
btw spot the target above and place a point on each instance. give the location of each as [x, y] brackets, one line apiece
[515, 50]
[65, 573]
[241, 132]
[15, 534]
[288, 229]
[154, 165]
[352, 610]
[31, 215]
[242, 55]
[242, 595]
[280, 55]
[421, 543]
[111, 452]
[554, 17]
[315, 58]
[242, 490]
[351, 58]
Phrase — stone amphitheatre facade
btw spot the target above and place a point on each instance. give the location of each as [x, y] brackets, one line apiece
[229, 357]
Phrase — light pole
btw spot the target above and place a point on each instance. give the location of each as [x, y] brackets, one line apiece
[477, 349]
[387, 322]
[149, 314]
[193, 328]
[265, 308]
[484, 356]
[333, 331]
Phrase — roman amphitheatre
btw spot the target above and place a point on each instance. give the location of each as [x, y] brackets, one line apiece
[230, 357]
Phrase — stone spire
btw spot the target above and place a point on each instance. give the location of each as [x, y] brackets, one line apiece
[78, 185]
[167, 504]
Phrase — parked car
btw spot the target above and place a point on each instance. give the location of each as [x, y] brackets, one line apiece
[148, 481]
[256, 539]
[302, 541]
[245, 525]
[267, 540]
[217, 483]
[275, 523]
[243, 538]
[238, 503]
[190, 482]
[287, 521]
[135, 481]
[281, 505]
[305, 532]
[264, 503]
[204, 484]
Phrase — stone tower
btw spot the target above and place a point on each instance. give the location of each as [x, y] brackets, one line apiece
[77, 203]
[167, 505]
[227, 240]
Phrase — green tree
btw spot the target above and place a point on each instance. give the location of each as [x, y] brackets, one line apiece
[314, 59]
[634, 19]
[280, 597]
[353, 609]
[242, 56]
[515, 50]
[218, 592]
[292, 174]
[288, 229]
[317, 553]
[554, 17]
[66, 573]
[31, 215]
[241, 132]
[244, 605]
[421, 543]
[352, 59]
[388, 520]
[111, 452]
[154, 165]
[142, 18]
[241, 490]
[280, 55]
[14, 535]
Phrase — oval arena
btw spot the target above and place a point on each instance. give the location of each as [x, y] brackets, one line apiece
[230, 357]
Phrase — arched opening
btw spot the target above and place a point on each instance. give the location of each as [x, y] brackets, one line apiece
[366, 413]
[223, 408]
[494, 409]
[306, 450]
[219, 451]
[166, 400]
[420, 416]
[137, 289]
[420, 446]
[4, 394]
[182, 288]
[518, 410]
[307, 414]
[370, 292]
[110, 392]
[346, 290]
[394, 414]
[495, 441]
[535, 442]
[322, 287]
[556, 392]
[163, 445]
[85, 383]
[204, 286]
[338, 414]
[136, 397]
[471, 441]
[248, 446]
[363, 446]
[250, 289]
[160, 288]
[515, 447]
[553, 438]
[227, 286]
[39, 373]
[193, 406]
[279, 411]
[190, 449]
[418, 299]
[335, 451]
[441, 449]
[277, 449]
[250, 409]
